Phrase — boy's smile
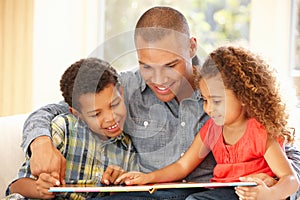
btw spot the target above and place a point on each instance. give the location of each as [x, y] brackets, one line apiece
[104, 112]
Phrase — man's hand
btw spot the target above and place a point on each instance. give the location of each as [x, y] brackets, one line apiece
[45, 158]
[111, 173]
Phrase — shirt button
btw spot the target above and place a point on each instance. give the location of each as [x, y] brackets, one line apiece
[181, 154]
[146, 123]
[182, 123]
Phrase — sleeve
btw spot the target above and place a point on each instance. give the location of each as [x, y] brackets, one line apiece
[133, 163]
[210, 133]
[58, 129]
[38, 123]
[293, 155]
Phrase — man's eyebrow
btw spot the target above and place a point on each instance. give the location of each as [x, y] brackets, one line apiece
[166, 64]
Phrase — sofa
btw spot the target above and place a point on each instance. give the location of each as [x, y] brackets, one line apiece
[12, 155]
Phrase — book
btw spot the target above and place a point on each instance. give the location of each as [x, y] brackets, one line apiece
[142, 188]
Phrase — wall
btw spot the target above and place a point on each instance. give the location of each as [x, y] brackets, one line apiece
[64, 32]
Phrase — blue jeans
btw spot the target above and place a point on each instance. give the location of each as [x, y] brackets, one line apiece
[215, 194]
[174, 194]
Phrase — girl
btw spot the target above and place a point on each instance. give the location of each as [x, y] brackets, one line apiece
[245, 133]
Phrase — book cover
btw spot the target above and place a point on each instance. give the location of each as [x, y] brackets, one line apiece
[138, 188]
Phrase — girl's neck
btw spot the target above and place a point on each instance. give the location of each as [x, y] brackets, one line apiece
[233, 133]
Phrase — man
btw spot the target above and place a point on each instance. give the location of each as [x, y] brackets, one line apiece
[164, 108]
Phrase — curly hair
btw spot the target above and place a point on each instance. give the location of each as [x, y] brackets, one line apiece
[254, 84]
[90, 75]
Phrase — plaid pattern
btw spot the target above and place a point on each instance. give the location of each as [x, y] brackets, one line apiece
[86, 153]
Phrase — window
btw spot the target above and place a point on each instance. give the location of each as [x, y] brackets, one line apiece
[211, 22]
[295, 46]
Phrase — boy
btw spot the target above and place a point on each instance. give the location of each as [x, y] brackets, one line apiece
[90, 137]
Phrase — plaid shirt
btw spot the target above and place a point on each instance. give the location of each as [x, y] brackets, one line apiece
[87, 154]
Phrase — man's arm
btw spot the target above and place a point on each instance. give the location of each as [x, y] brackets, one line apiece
[37, 142]
[293, 155]
[38, 123]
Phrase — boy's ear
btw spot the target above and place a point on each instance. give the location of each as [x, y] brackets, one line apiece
[74, 112]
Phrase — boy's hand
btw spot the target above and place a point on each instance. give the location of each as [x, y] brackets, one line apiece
[46, 158]
[133, 178]
[111, 173]
[44, 182]
[259, 192]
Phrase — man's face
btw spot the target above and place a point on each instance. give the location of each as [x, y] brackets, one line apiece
[165, 66]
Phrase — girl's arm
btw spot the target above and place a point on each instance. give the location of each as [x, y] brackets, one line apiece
[176, 171]
[288, 182]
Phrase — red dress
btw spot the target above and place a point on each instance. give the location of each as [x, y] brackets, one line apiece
[243, 158]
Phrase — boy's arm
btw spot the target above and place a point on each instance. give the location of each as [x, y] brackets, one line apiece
[27, 187]
[37, 140]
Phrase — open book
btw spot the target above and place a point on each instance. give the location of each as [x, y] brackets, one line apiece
[138, 188]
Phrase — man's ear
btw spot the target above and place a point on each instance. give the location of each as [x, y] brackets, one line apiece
[75, 112]
[193, 47]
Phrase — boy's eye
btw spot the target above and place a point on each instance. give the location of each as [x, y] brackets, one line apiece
[96, 114]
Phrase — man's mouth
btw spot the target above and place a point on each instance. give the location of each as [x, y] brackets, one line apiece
[163, 89]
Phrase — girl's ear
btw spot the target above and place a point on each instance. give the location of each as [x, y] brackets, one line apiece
[193, 47]
[121, 89]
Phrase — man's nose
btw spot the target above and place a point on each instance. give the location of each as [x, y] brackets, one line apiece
[159, 77]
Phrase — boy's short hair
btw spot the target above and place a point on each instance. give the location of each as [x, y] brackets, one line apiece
[90, 75]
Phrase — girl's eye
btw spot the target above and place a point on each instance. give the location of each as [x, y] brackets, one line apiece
[115, 104]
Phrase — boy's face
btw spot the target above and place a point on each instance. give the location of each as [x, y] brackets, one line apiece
[220, 103]
[166, 67]
[104, 112]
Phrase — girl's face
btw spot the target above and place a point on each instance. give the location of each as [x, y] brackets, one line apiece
[104, 112]
[220, 103]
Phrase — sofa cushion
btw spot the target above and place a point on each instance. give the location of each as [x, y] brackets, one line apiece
[11, 155]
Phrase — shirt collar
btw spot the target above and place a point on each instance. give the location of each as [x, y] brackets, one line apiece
[121, 138]
[196, 94]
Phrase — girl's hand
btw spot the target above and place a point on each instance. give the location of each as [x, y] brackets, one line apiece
[268, 180]
[133, 178]
[44, 182]
[259, 192]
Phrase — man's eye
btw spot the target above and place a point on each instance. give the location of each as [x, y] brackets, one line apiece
[171, 66]
[146, 66]
[217, 102]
